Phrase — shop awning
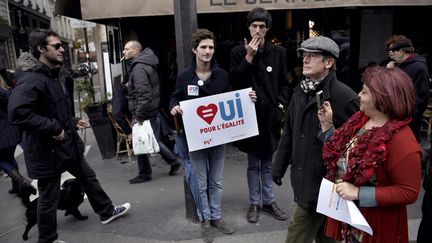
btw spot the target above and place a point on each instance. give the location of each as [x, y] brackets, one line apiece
[105, 9]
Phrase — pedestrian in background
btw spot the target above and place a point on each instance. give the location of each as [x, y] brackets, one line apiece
[401, 51]
[374, 157]
[300, 146]
[40, 108]
[262, 66]
[424, 234]
[203, 78]
[120, 108]
[10, 137]
[144, 99]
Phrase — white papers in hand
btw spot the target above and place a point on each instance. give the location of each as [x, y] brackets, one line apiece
[333, 206]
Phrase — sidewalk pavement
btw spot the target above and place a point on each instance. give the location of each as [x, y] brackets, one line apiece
[157, 214]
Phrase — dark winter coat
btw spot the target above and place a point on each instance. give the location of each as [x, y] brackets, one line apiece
[417, 69]
[9, 134]
[300, 146]
[268, 76]
[216, 84]
[143, 86]
[39, 107]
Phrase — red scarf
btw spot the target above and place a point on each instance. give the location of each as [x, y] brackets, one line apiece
[370, 149]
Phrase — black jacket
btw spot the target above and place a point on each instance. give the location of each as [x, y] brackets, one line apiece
[300, 145]
[268, 76]
[39, 107]
[9, 134]
[216, 84]
[417, 69]
[143, 86]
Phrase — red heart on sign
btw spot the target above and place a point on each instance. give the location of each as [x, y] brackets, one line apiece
[207, 113]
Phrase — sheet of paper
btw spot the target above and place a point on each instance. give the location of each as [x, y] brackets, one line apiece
[333, 206]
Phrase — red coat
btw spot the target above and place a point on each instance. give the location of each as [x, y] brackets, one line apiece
[398, 184]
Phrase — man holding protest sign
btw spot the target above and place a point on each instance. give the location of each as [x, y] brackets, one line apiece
[204, 78]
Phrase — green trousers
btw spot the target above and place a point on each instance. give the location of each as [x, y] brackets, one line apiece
[305, 226]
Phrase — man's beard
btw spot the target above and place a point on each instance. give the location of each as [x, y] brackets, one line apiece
[55, 61]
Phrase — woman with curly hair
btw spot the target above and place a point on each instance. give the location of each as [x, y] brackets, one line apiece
[374, 157]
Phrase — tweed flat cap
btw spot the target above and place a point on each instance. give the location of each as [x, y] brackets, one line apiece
[320, 44]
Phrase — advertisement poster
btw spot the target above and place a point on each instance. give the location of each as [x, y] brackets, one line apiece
[219, 119]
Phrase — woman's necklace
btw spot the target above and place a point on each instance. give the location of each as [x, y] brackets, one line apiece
[371, 124]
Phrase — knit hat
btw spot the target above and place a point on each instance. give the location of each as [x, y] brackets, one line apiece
[320, 44]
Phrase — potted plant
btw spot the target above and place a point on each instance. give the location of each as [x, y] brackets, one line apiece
[98, 117]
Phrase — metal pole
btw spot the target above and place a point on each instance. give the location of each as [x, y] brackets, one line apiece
[185, 18]
[90, 74]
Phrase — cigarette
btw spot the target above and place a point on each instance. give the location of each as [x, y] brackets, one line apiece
[122, 58]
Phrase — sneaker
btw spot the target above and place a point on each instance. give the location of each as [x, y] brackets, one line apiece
[206, 231]
[117, 212]
[222, 226]
[253, 213]
[174, 169]
[275, 211]
[139, 179]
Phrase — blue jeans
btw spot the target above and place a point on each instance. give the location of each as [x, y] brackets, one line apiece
[209, 164]
[143, 161]
[260, 179]
[7, 159]
[158, 126]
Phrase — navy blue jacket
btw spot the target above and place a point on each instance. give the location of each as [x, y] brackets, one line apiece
[40, 108]
[9, 134]
[216, 84]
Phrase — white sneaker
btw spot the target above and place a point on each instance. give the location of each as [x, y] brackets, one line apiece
[117, 212]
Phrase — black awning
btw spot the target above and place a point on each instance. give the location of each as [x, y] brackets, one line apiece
[69, 8]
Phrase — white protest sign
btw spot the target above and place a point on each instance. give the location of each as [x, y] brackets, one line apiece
[219, 119]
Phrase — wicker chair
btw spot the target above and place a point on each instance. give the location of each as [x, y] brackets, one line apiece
[122, 137]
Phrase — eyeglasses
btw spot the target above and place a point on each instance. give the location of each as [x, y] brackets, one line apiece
[56, 45]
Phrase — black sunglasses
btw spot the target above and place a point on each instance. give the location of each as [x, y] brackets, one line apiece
[56, 46]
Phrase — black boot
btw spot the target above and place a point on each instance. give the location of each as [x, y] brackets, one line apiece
[15, 187]
[24, 185]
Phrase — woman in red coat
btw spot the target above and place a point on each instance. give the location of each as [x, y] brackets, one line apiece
[375, 158]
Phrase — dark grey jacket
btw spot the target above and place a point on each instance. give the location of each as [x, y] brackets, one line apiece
[417, 69]
[39, 107]
[300, 147]
[143, 85]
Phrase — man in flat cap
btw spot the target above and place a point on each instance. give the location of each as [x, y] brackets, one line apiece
[302, 139]
[401, 51]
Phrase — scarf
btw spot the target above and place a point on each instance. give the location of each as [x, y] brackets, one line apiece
[369, 152]
[308, 84]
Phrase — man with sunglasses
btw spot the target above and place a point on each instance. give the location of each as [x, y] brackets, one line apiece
[401, 51]
[38, 105]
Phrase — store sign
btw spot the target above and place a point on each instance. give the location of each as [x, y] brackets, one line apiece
[76, 24]
[218, 119]
[212, 6]
[103, 9]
